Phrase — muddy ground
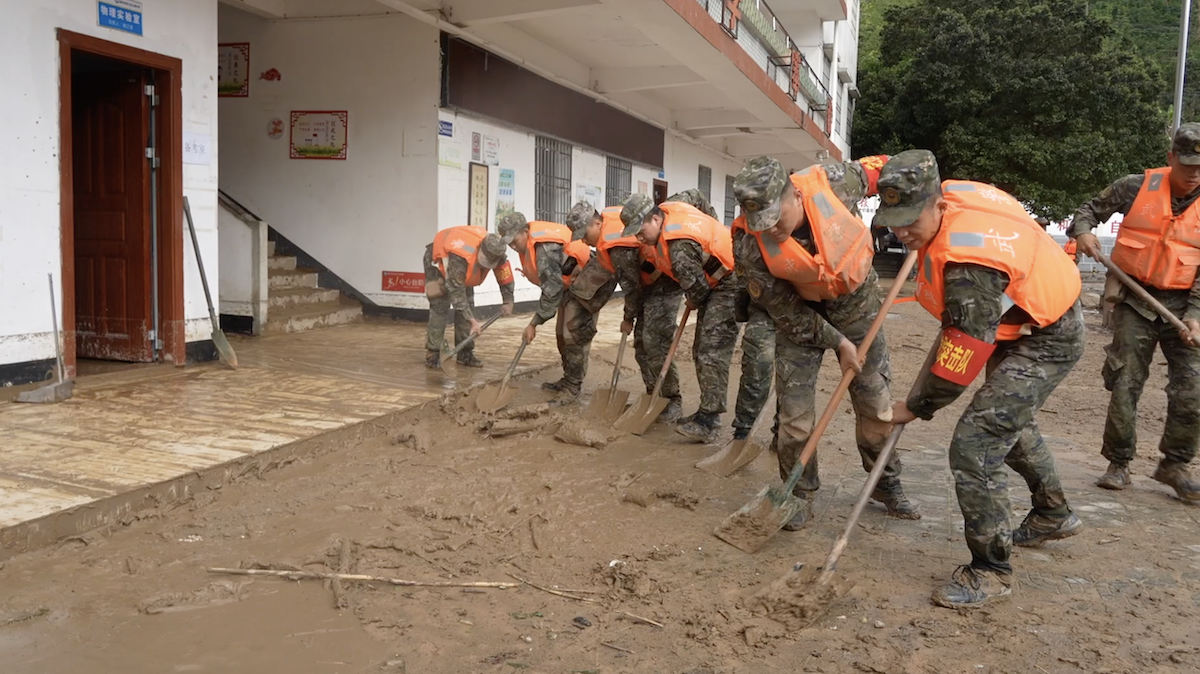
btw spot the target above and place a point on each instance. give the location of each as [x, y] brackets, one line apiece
[627, 531]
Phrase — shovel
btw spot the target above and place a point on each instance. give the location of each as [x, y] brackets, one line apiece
[493, 397]
[62, 388]
[639, 417]
[1193, 338]
[738, 453]
[224, 349]
[448, 354]
[753, 524]
[607, 405]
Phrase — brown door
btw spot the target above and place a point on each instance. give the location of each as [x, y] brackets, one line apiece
[660, 191]
[110, 118]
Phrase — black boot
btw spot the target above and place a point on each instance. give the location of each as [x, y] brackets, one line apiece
[1037, 529]
[1175, 474]
[802, 516]
[672, 411]
[891, 494]
[702, 427]
[971, 588]
[433, 359]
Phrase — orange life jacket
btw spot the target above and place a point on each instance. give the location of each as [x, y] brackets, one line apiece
[465, 242]
[1153, 245]
[844, 244]
[610, 237]
[684, 221]
[582, 254]
[986, 226]
[1071, 248]
[542, 232]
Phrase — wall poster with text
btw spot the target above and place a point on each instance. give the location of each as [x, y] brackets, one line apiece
[233, 70]
[477, 187]
[319, 134]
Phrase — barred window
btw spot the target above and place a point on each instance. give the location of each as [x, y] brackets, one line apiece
[552, 180]
[618, 181]
[705, 182]
[730, 202]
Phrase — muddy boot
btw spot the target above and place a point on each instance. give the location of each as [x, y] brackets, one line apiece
[672, 411]
[1037, 529]
[891, 494]
[702, 427]
[1175, 475]
[970, 588]
[1116, 477]
[566, 392]
[553, 385]
[802, 516]
[686, 420]
[469, 360]
[741, 433]
[433, 360]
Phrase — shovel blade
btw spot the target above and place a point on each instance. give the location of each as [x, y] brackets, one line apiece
[732, 458]
[224, 349]
[445, 359]
[494, 397]
[616, 405]
[755, 523]
[634, 413]
[599, 405]
[638, 419]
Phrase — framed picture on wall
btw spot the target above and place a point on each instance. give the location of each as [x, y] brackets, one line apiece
[477, 196]
[319, 134]
[233, 70]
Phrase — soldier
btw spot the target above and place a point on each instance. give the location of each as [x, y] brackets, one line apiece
[1008, 299]
[793, 267]
[588, 289]
[697, 252]
[544, 262]
[458, 260]
[1157, 246]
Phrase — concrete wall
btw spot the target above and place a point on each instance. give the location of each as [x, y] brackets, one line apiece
[376, 210]
[237, 265]
[30, 244]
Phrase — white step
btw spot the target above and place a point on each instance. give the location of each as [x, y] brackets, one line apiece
[290, 297]
[307, 317]
[287, 262]
[291, 279]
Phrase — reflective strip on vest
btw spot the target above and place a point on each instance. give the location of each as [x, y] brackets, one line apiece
[959, 187]
[967, 240]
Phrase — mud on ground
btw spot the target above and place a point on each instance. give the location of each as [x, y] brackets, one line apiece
[626, 532]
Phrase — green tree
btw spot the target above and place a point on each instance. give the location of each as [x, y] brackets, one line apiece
[1034, 96]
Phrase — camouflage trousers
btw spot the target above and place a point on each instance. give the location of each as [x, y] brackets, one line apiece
[796, 367]
[1126, 366]
[998, 428]
[712, 349]
[439, 308]
[653, 332]
[758, 356]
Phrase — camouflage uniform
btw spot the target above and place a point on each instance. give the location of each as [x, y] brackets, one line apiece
[1137, 329]
[590, 290]
[549, 267]
[458, 295]
[803, 335]
[998, 427]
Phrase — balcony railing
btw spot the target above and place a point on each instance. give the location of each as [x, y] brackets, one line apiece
[769, 44]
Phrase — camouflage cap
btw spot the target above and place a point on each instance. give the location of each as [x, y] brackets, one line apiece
[906, 184]
[694, 197]
[492, 252]
[1186, 144]
[511, 224]
[581, 216]
[758, 189]
[634, 212]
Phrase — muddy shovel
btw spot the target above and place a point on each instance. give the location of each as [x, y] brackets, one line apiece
[607, 405]
[494, 397]
[639, 417]
[738, 453]
[1137, 289]
[62, 388]
[753, 524]
[448, 354]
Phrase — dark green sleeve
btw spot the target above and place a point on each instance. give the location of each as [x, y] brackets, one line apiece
[974, 304]
[790, 313]
[456, 286]
[549, 265]
[1193, 305]
[1116, 198]
[687, 262]
[626, 263]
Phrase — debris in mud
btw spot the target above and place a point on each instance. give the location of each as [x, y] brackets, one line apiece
[213, 594]
[628, 578]
[679, 497]
[417, 438]
[25, 616]
[501, 429]
[581, 622]
[795, 600]
[584, 435]
[499, 658]
[642, 497]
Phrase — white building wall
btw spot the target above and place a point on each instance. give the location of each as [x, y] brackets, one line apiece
[683, 160]
[376, 210]
[30, 243]
[237, 265]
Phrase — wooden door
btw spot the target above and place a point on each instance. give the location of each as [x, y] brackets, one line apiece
[660, 192]
[110, 118]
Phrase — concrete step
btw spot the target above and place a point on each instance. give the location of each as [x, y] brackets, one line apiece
[291, 278]
[309, 316]
[270, 248]
[286, 262]
[290, 297]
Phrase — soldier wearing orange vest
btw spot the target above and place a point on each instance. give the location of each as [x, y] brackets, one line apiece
[587, 291]
[545, 262]
[696, 251]
[1008, 299]
[1159, 245]
[806, 259]
[458, 260]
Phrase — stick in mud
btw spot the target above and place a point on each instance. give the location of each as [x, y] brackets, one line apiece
[312, 575]
[639, 618]
[553, 592]
[616, 647]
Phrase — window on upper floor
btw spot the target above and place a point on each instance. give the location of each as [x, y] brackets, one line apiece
[552, 179]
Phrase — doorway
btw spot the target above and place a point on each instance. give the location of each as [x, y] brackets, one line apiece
[660, 191]
[121, 196]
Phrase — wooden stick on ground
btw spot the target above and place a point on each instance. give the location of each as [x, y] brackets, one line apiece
[616, 648]
[641, 619]
[553, 592]
[312, 575]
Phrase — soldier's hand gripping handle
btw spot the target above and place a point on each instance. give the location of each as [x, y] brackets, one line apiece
[848, 357]
[1089, 245]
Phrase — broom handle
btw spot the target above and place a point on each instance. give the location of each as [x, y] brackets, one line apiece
[617, 365]
[810, 447]
[687, 311]
[1148, 298]
[881, 462]
[62, 373]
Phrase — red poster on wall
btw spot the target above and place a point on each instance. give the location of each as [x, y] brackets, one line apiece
[404, 281]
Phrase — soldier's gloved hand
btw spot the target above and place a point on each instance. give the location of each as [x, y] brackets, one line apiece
[1089, 245]
[1192, 334]
[476, 327]
[848, 357]
[507, 309]
[626, 327]
[901, 413]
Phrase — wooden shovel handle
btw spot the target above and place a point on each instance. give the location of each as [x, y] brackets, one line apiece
[471, 338]
[810, 447]
[1148, 298]
[617, 365]
[687, 311]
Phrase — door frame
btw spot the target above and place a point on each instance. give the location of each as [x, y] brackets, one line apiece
[169, 142]
[655, 188]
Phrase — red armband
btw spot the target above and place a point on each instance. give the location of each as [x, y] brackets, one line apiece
[504, 275]
[960, 357]
[872, 166]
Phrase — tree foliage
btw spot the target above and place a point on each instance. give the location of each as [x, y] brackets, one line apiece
[1034, 96]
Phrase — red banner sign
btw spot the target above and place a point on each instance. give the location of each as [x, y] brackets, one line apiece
[404, 281]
